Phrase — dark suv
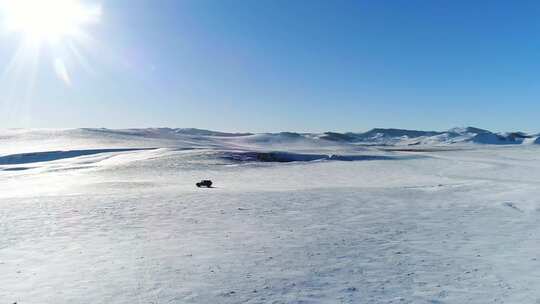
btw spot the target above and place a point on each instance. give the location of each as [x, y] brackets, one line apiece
[204, 183]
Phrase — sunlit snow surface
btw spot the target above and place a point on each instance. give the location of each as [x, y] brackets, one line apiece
[104, 216]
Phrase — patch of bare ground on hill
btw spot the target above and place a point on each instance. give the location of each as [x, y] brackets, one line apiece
[430, 149]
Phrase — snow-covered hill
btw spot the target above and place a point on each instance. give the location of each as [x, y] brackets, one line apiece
[385, 216]
[29, 140]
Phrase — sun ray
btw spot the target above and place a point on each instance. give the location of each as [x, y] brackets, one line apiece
[18, 82]
[80, 58]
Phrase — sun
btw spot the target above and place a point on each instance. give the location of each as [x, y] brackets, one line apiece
[60, 26]
[48, 20]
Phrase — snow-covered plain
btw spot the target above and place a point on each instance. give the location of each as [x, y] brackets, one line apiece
[113, 216]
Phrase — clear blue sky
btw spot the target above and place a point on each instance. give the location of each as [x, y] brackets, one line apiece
[275, 65]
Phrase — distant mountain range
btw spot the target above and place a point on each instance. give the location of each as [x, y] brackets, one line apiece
[382, 136]
[414, 137]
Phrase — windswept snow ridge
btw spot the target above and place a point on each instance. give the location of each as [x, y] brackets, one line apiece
[25, 158]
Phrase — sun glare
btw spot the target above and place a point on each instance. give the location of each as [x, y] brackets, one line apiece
[58, 25]
[50, 20]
